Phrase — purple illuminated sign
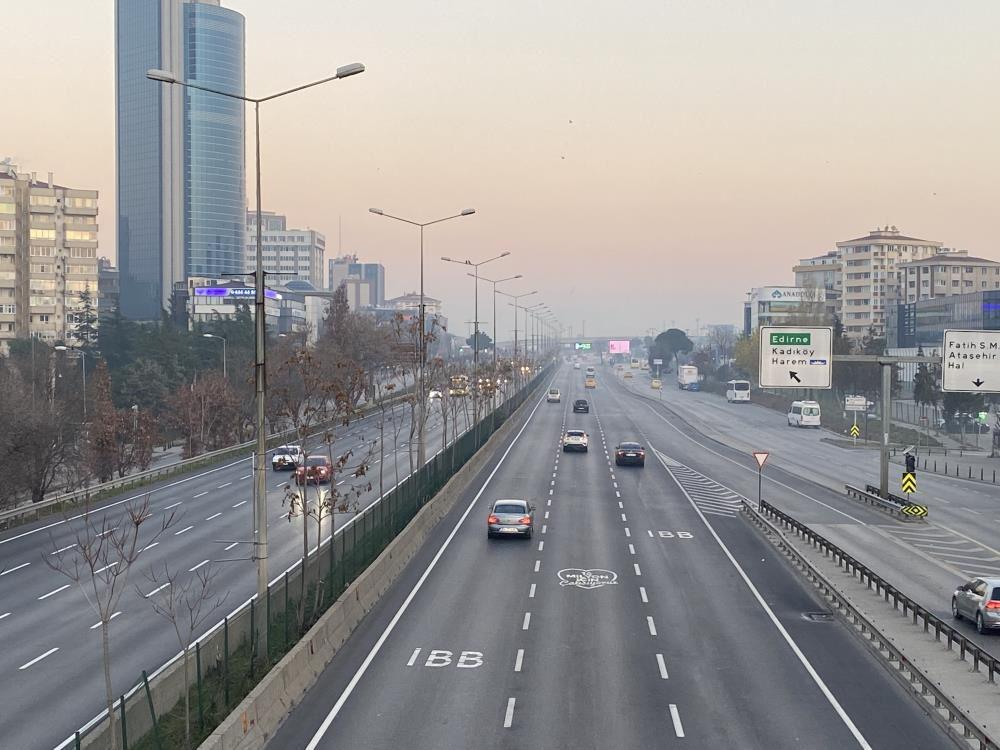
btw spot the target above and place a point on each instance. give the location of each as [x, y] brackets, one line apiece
[243, 292]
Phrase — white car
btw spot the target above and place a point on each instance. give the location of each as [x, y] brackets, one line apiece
[576, 365]
[554, 397]
[287, 457]
[575, 440]
[434, 396]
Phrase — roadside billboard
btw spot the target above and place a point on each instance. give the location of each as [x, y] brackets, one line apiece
[618, 347]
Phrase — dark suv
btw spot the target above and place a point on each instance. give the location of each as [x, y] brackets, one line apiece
[581, 406]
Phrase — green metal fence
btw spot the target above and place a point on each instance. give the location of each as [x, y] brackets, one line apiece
[225, 663]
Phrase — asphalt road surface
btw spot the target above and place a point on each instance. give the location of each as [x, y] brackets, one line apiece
[643, 613]
[51, 643]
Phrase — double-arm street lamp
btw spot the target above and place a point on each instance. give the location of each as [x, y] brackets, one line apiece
[260, 462]
[225, 374]
[494, 283]
[475, 332]
[421, 336]
[533, 311]
[514, 304]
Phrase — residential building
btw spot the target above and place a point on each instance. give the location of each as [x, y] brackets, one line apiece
[784, 305]
[289, 254]
[868, 276]
[48, 256]
[360, 293]
[180, 151]
[107, 287]
[923, 322]
[349, 267]
[945, 276]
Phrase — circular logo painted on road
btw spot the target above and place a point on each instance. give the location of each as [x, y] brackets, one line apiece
[592, 578]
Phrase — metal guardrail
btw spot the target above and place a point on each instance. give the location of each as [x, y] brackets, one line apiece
[928, 689]
[31, 512]
[893, 505]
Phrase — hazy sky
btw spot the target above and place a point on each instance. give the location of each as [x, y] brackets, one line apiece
[642, 161]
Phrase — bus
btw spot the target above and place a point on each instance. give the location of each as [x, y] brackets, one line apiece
[459, 385]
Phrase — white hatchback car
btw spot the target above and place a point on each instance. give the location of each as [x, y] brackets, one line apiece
[287, 457]
[554, 396]
[575, 440]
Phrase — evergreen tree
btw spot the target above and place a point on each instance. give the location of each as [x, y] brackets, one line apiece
[85, 327]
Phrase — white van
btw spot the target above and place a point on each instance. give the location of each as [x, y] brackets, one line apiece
[738, 391]
[804, 414]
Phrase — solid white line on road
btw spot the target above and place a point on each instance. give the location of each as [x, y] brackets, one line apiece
[96, 625]
[676, 718]
[214, 515]
[63, 549]
[192, 570]
[246, 477]
[53, 593]
[651, 624]
[174, 505]
[538, 564]
[663, 667]
[627, 532]
[518, 660]
[342, 699]
[22, 565]
[642, 595]
[200, 494]
[508, 718]
[157, 590]
[631, 549]
[527, 621]
[413, 657]
[49, 653]
[5, 614]
[531, 592]
[637, 571]
[149, 546]
[541, 546]
[110, 565]
[241, 502]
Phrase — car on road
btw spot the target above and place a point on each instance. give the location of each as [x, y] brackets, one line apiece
[590, 383]
[979, 600]
[738, 391]
[510, 518]
[554, 397]
[316, 470]
[575, 440]
[576, 365]
[656, 384]
[286, 457]
[581, 406]
[628, 374]
[630, 453]
[804, 414]
[434, 396]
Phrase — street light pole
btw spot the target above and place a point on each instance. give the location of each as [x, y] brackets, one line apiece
[494, 283]
[225, 374]
[260, 463]
[421, 335]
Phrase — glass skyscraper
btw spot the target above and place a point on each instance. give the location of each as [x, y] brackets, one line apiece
[181, 172]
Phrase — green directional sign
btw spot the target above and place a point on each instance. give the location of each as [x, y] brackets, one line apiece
[791, 338]
[584, 345]
[796, 357]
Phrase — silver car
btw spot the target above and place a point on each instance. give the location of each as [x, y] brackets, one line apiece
[979, 600]
[511, 518]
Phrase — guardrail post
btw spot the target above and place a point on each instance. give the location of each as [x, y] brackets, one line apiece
[197, 669]
[253, 640]
[152, 711]
[121, 703]
[285, 618]
[76, 740]
[225, 661]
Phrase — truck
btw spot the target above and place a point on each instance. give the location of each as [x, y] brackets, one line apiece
[687, 378]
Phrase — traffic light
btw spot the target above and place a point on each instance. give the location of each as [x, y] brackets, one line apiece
[911, 463]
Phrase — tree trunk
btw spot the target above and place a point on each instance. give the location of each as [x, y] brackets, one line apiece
[109, 696]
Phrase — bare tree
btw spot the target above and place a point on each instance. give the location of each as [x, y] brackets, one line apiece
[100, 563]
[186, 601]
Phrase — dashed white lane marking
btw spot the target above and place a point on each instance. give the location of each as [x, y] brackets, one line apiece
[157, 590]
[527, 621]
[651, 624]
[22, 565]
[538, 564]
[617, 493]
[105, 532]
[623, 517]
[663, 667]
[63, 549]
[186, 528]
[96, 625]
[620, 505]
[192, 570]
[544, 528]
[39, 658]
[541, 546]
[637, 571]
[241, 502]
[972, 511]
[280, 484]
[106, 567]
[201, 494]
[546, 515]
[531, 592]
[642, 595]
[549, 501]
[627, 532]
[53, 593]
[675, 716]
[226, 549]
[174, 505]
[4, 615]
[508, 718]
[214, 515]
[631, 549]
[518, 660]
[246, 477]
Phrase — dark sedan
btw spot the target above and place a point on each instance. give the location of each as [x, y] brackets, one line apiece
[580, 406]
[317, 470]
[630, 454]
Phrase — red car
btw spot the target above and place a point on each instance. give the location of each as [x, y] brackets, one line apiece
[317, 470]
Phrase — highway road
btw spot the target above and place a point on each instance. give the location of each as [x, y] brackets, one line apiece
[805, 475]
[51, 653]
[643, 613]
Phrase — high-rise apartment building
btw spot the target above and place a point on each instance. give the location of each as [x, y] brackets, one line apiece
[48, 256]
[946, 276]
[181, 171]
[289, 254]
[819, 272]
[349, 267]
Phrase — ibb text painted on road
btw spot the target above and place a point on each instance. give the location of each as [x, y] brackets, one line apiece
[675, 535]
[445, 658]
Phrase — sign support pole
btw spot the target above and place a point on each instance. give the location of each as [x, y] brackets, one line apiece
[854, 431]
[884, 452]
